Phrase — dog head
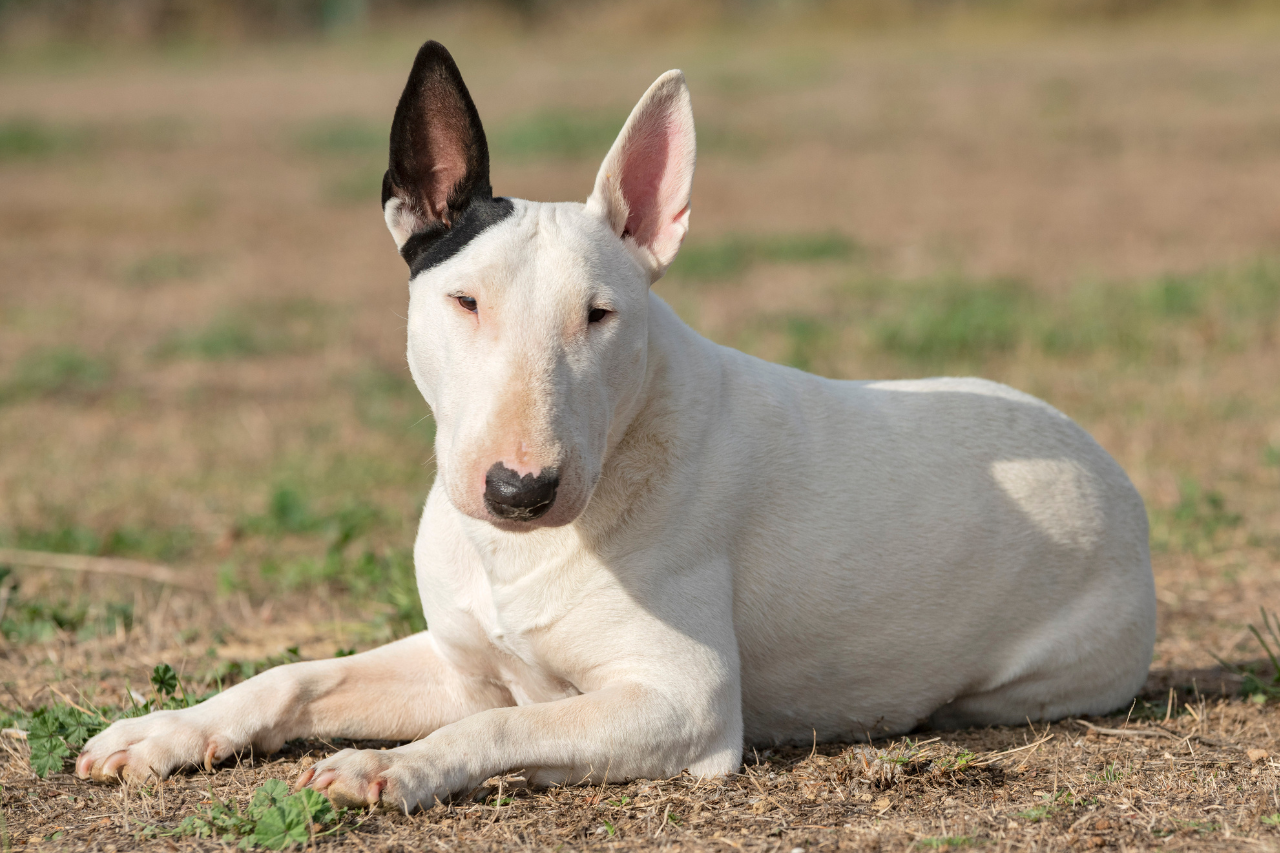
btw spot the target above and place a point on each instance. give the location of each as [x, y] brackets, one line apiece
[528, 322]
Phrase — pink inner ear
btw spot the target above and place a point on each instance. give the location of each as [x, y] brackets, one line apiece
[447, 141]
[645, 165]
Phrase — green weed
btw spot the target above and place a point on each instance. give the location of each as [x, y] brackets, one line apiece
[1271, 820]
[1049, 805]
[40, 620]
[68, 537]
[1196, 524]
[60, 371]
[274, 820]
[286, 327]
[227, 337]
[1256, 685]
[358, 185]
[163, 267]
[732, 255]
[227, 672]
[1271, 455]
[809, 341]
[387, 578]
[26, 138]
[345, 135]
[1036, 813]
[957, 322]
[1110, 773]
[557, 134]
[387, 400]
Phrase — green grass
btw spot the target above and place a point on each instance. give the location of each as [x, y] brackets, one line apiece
[68, 537]
[343, 558]
[39, 620]
[557, 134]
[1196, 525]
[732, 255]
[809, 341]
[162, 268]
[345, 136]
[290, 326]
[58, 371]
[954, 323]
[27, 138]
[360, 184]
[960, 321]
[226, 337]
[388, 401]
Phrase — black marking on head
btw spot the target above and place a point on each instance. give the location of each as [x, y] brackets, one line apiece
[437, 244]
[439, 163]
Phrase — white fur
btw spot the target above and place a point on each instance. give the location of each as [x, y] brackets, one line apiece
[738, 551]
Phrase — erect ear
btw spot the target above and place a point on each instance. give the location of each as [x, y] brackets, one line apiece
[439, 160]
[642, 189]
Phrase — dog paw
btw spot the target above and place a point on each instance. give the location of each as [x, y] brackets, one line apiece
[151, 747]
[371, 777]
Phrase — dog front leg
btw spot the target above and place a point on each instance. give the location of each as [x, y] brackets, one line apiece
[620, 732]
[400, 691]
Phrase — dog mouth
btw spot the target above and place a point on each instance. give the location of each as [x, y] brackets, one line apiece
[518, 513]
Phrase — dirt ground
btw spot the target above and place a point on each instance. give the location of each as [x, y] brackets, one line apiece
[201, 365]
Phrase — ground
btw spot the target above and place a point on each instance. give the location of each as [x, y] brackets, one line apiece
[201, 366]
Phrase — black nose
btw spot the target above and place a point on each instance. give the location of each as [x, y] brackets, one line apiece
[516, 498]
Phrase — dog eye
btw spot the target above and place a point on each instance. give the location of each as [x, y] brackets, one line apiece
[467, 302]
[595, 315]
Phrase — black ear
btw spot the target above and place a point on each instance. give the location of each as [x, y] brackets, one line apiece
[439, 164]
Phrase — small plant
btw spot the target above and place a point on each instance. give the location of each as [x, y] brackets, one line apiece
[274, 819]
[1046, 808]
[1271, 820]
[956, 763]
[1256, 686]
[54, 732]
[1037, 813]
[1110, 773]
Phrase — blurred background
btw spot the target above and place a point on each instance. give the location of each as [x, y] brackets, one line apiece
[202, 315]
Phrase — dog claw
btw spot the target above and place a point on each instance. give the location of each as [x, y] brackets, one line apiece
[304, 780]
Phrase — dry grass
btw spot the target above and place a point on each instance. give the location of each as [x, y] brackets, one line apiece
[201, 364]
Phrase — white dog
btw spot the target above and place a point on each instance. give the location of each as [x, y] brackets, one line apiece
[643, 549]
